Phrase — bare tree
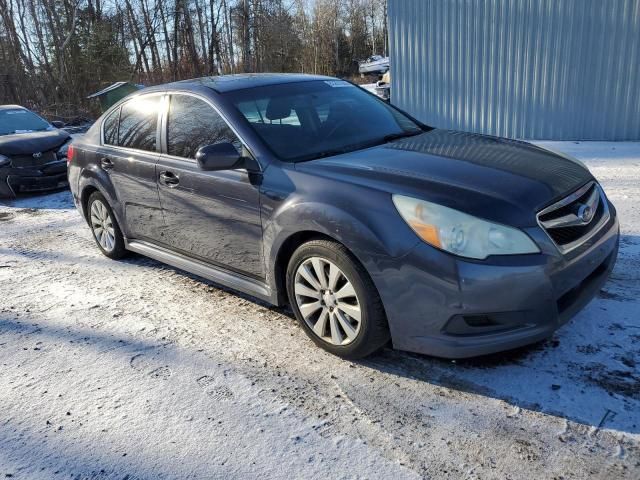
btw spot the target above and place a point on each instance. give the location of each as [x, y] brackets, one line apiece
[55, 52]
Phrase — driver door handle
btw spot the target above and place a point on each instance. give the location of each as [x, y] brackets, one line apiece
[170, 179]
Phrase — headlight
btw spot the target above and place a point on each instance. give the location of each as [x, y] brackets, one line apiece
[62, 151]
[459, 233]
[4, 161]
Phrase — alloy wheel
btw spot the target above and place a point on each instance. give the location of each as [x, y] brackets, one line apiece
[327, 301]
[102, 226]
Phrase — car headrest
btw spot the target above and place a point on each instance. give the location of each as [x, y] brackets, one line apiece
[279, 108]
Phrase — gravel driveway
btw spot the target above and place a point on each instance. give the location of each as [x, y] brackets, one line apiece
[132, 370]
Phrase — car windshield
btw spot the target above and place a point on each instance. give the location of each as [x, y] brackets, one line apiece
[306, 120]
[20, 120]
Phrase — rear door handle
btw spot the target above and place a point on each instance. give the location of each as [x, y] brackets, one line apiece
[106, 163]
[169, 179]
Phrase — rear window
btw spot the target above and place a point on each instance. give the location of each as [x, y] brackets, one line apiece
[21, 120]
[139, 123]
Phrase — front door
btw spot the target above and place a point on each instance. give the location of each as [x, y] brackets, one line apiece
[212, 216]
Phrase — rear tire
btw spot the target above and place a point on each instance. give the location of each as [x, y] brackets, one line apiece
[335, 300]
[105, 228]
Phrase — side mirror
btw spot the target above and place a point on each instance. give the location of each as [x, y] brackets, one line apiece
[219, 156]
[57, 124]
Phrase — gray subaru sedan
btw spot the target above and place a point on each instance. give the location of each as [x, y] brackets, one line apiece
[372, 226]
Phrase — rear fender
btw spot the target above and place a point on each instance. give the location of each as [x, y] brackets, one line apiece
[94, 177]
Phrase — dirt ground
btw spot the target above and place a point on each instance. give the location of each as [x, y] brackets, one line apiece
[132, 370]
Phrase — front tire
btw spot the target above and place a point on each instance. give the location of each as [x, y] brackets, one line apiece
[104, 227]
[335, 300]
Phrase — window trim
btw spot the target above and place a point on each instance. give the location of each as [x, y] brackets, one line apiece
[118, 107]
[164, 126]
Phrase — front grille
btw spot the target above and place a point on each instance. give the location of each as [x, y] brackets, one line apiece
[27, 161]
[566, 235]
[36, 184]
[576, 218]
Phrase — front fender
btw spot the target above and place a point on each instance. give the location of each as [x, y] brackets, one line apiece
[362, 218]
[324, 219]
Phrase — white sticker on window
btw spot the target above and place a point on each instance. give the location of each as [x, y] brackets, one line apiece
[338, 83]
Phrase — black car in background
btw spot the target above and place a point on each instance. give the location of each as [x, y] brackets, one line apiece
[32, 153]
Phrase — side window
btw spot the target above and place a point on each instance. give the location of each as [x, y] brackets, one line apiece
[193, 123]
[138, 123]
[110, 128]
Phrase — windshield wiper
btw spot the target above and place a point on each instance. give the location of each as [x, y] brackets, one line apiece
[324, 154]
[396, 136]
[358, 146]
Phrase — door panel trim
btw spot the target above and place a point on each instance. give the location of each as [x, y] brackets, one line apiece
[226, 278]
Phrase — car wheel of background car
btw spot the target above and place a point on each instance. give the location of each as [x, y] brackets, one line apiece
[104, 226]
[335, 301]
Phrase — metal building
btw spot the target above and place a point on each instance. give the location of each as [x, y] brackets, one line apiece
[537, 69]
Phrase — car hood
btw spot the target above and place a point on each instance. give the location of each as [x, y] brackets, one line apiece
[501, 180]
[29, 143]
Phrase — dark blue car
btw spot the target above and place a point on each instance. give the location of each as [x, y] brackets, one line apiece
[310, 191]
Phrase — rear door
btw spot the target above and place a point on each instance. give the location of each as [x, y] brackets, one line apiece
[131, 147]
[212, 216]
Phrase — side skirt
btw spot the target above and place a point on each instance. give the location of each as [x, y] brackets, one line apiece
[229, 279]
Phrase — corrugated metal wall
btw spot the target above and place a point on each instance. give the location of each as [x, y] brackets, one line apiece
[543, 69]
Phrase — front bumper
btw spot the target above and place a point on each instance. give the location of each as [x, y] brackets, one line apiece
[14, 181]
[449, 307]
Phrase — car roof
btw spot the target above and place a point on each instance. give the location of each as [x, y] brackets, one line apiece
[228, 83]
[11, 107]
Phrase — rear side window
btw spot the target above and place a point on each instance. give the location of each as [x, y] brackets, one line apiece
[110, 128]
[192, 123]
[139, 122]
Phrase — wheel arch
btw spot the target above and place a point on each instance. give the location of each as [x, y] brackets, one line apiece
[284, 253]
[365, 237]
[92, 181]
[84, 199]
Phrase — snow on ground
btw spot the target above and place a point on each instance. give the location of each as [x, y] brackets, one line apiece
[133, 369]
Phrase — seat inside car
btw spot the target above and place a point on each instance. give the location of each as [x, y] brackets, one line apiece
[282, 125]
[279, 108]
